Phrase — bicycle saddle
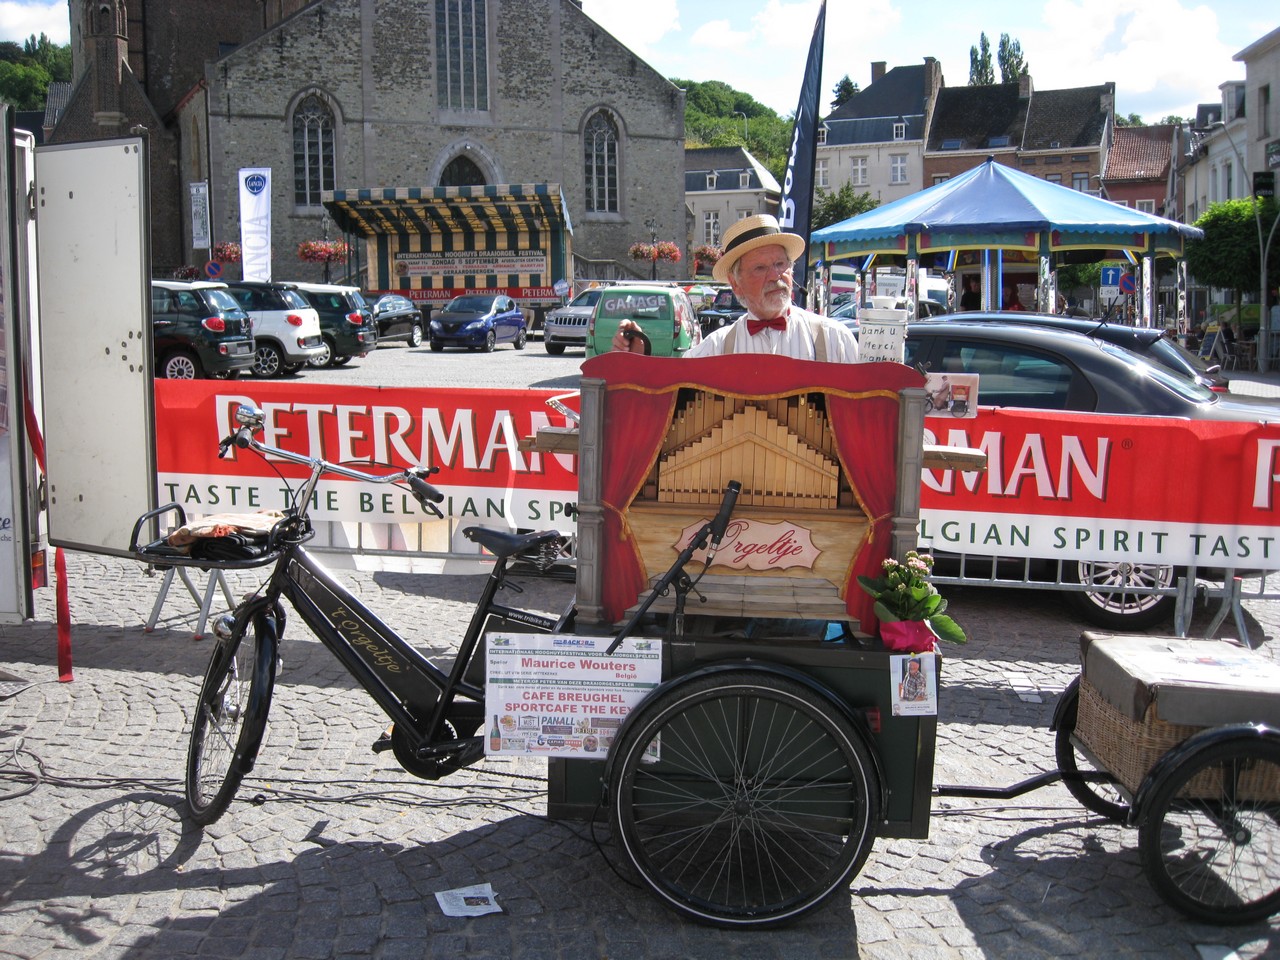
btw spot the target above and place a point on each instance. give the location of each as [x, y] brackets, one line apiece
[503, 544]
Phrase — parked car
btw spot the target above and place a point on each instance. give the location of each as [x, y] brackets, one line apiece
[567, 326]
[724, 309]
[479, 321]
[1048, 368]
[198, 330]
[397, 318]
[664, 314]
[285, 327]
[346, 323]
[1147, 342]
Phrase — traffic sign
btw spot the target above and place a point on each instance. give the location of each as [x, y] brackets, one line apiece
[213, 269]
[1107, 294]
[1128, 284]
[1111, 276]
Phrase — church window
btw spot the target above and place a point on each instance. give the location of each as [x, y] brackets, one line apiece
[313, 170]
[462, 55]
[600, 146]
[461, 172]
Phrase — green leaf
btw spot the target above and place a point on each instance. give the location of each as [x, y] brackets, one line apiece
[947, 629]
[884, 613]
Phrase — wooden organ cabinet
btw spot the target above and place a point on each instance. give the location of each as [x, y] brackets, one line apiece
[828, 456]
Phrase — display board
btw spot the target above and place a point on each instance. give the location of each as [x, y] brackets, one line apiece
[94, 254]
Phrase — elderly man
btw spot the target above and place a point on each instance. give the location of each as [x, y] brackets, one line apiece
[756, 264]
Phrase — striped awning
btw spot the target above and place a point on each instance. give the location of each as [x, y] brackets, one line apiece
[408, 211]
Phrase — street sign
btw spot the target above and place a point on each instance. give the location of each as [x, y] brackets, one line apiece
[213, 269]
[1107, 294]
[1128, 284]
[1111, 276]
[1264, 183]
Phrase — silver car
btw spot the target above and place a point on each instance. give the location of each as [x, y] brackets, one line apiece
[567, 325]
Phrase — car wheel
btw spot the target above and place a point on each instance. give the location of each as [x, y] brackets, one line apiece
[267, 361]
[437, 346]
[1110, 602]
[490, 341]
[415, 336]
[521, 338]
[325, 356]
[293, 367]
[180, 365]
[555, 349]
[339, 361]
[226, 375]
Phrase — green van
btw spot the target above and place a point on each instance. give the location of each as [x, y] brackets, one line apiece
[664, 314]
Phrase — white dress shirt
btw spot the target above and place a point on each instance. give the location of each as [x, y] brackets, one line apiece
[795, 341]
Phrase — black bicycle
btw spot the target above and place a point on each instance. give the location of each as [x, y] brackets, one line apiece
[435, 712]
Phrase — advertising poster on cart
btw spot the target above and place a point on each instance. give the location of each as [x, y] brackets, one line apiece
[560, 695]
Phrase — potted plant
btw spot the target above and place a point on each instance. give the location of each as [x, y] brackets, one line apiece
[909, 607]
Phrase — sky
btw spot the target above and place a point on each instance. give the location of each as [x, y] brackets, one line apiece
[1165, 56]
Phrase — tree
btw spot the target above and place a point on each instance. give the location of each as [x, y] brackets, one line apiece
[1009, 55]
[23, 85]
[843, 92]
[980, 73]
[1228, 256]
[43, 52]
[1132, 120]
[1173, 119]
[829, 208]
[711, 119]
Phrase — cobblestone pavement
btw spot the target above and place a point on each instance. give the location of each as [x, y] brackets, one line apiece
[331, 850]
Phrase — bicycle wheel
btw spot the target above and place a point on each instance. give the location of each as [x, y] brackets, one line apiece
[1102, 797]
[230, 717]
[1211, 842]
[744, 799]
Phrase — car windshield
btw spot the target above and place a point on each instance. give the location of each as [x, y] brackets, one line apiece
[1188, 389]
[587, 298]
[636, 306]
[470, 304]
[357, 300]
[223, 300]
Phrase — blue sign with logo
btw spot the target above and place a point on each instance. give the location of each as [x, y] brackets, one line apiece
[255, 183]
[213, 269]
[1128, 284]
[1111, 276]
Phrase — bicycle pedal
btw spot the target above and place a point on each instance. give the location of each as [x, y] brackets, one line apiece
[383, 743]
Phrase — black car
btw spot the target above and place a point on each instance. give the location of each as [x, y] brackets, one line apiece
[346, 323]
[1147, 342]
[723, 311]
[398, 318]
[1046, 368]
[198, 330]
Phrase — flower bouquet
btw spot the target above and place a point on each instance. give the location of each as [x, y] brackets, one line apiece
[662, 250]
[227, 252]
[909, 607]
[323, 251]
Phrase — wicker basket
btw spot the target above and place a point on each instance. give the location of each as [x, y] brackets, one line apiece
[1128, 749]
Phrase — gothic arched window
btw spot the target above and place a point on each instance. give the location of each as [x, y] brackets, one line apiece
[313, 167]
[462, 55]
[600, 168]
[461, 172]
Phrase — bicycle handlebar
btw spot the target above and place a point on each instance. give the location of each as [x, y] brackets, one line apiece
[426, 494]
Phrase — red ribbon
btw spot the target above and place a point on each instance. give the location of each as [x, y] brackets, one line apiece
[36, 439]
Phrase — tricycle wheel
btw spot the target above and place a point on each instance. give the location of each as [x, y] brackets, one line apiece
[1079, 774]
[743, 799]
[1210, 840]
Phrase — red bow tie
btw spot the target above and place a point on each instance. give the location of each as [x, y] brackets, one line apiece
[755, 326]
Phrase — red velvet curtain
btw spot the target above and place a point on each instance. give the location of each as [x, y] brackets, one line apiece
[862, 400]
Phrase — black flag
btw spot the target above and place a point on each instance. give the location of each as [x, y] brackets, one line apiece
[796, 208]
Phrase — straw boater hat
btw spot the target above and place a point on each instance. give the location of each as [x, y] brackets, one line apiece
[752, 232]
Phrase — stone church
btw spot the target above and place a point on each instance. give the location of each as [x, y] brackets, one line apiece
[362, 94]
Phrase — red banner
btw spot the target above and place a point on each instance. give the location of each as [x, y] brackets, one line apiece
[471, 435]
[1088, 486]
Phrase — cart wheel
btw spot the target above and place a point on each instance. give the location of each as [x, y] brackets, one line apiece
[1210, 842]
[1103, 797]
[743, 798]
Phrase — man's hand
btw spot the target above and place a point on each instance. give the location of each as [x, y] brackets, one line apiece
[629, 338]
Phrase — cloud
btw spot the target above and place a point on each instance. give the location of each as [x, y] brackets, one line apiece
[640, 26]
[19, 21]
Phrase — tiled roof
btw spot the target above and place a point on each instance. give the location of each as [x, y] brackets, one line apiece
[972, 116]
[1140, 153]
[725, 162]
[1068, 118]
[56, 99]
[872, 129]
[900, 92]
